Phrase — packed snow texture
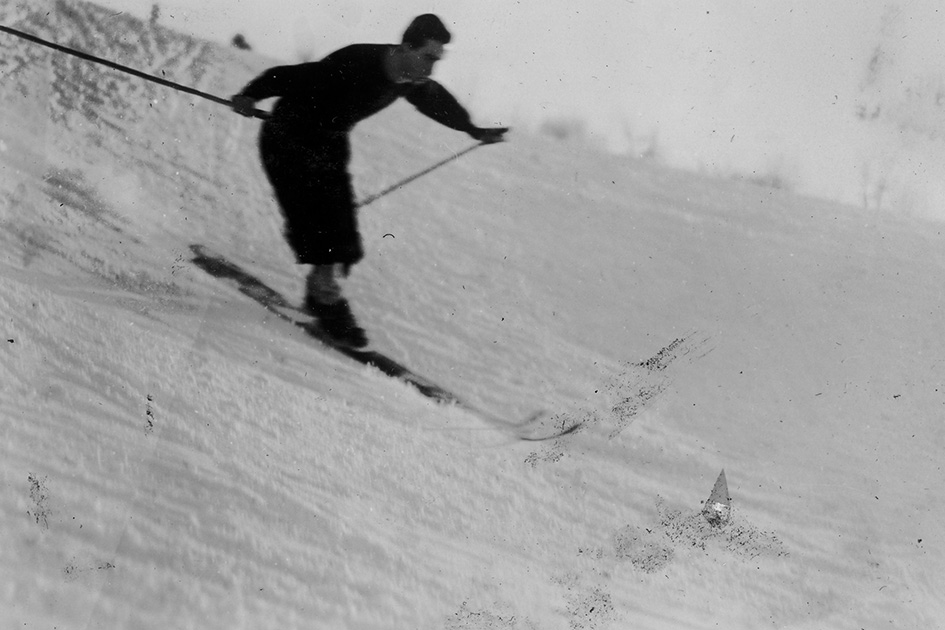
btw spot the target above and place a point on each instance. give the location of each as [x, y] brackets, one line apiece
[173, 456]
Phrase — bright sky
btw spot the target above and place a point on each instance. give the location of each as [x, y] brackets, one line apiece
[718, 85]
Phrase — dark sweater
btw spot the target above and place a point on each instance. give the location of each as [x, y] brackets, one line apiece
[347, 86]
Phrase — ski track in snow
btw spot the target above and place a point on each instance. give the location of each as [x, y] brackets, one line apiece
[175, 456]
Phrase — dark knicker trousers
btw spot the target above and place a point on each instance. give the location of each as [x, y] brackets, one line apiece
[314, 191]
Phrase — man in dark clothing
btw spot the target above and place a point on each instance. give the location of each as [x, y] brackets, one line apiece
[305, 148]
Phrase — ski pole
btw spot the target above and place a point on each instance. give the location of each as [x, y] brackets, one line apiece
[258, 113]
[415, 176]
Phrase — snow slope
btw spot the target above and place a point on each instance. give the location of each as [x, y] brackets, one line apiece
[175, 457]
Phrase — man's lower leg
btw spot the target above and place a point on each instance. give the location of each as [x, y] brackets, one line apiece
[324, 301]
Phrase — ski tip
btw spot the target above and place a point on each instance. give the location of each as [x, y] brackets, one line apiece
[202, 251]
[529, 432]
[571, 429]
[553, 436]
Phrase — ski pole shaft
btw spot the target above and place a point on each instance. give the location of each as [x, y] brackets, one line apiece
[258, 113]
[415, 176]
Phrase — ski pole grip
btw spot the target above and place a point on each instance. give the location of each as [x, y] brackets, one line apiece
[246, 106]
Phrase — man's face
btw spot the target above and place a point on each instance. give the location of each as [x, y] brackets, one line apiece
[418, 62]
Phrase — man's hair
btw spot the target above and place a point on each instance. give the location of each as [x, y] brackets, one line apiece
[424, 28]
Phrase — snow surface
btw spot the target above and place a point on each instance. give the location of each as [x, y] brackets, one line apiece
[173, 456]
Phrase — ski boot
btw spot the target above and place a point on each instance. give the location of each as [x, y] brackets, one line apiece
[337, 321]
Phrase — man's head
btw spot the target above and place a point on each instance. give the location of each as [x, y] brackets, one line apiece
[420, 49]
[424, 28]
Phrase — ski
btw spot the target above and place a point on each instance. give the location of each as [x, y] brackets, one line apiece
[542, 437]
[249, 285]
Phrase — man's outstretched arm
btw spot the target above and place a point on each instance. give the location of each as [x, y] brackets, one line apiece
[433, 100]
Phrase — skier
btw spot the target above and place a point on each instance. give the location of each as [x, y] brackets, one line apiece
[305, 149]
